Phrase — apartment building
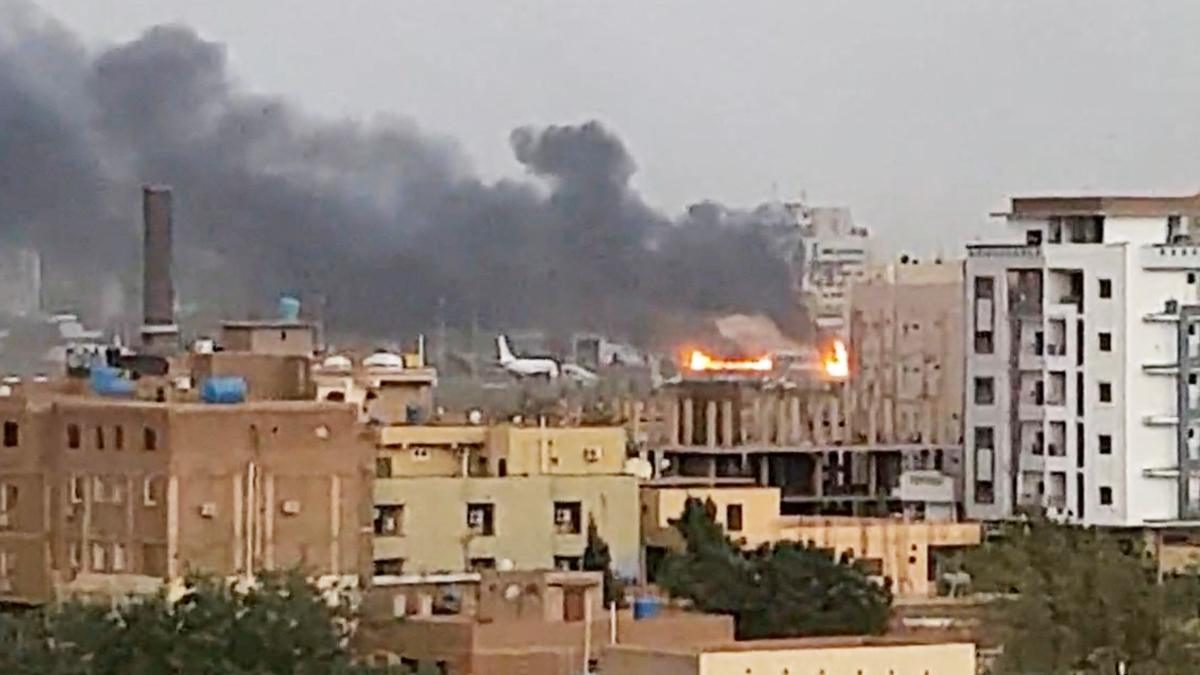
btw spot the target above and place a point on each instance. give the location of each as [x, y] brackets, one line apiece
[99, 492]
[834, 253]
[907, 552]
[469, 497]
[906, 379]
[1081, 373]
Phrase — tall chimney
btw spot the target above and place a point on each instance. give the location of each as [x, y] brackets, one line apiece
[160, 335]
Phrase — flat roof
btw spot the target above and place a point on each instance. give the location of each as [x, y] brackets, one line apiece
[85, 401]
[267, 323]
[924, 638]
[702, 482]
[802, 448]
[1111, 205]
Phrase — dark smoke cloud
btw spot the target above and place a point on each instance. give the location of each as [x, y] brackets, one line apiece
[383, 223]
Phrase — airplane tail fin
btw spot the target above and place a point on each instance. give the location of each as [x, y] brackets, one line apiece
[506, 355]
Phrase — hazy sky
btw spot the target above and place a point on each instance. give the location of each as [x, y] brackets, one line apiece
[920, 115]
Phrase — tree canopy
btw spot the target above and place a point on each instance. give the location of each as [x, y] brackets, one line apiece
[1076, 600]
[780, 590]
[279, 626]
[597, 558]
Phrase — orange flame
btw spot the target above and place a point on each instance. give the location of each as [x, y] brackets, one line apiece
[837, 362]
[701, 361]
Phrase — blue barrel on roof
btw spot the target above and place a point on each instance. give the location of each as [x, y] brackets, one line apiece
[223, 390]
[289, 308]
[107, 381]
[645, 607]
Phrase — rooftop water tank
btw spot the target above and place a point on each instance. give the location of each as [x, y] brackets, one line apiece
[384, 360]
[337, 362]
[107, 381]
[645, 607]
[289, 308]
[223, 390]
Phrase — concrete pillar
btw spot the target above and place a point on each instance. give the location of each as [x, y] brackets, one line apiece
[797, 436]
[764, 419]
[781, 426]
[756, 426]
[818, 474]
[727, 423]
[836, 430]
[710, 423]
[764, 470]
[688, 422]
[673, 421]
[819, 435]
[712, 466]
[889, 421]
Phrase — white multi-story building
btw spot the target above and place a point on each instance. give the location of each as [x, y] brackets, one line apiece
[1083, 351]
[833, 254]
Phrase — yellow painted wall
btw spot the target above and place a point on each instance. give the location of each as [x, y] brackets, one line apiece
[435, 533]
[901, 546]
[938, 659]
[556, 450]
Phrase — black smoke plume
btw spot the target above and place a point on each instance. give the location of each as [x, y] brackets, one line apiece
[383, 226]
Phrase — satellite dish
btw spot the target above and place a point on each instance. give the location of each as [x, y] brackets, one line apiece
[475, 416]
[504, 565]
[512, 592]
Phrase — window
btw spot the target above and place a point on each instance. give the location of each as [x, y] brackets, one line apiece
[149, 439]
[8, 564]
[568, 517]
[8, 497]
[733, 517]
[985, 288]
[118, 438]
[1106, 392]
[12, 434]
[118, 558]
[1105, 444]
[481, 519]
[984, 343]
[74, 555]
[571, 563]
[872, 567]
[151, 491]
[76, 490]
[389, 567]
[99, 557]
[98, 495]
[99, 438]
[73, 436]
[1106, 288]
[383, 467]
[985, 391]
[1106, 342]
[420, 454]
[389, 520]
[480, 564]
[1106, 496]
[1033, 237]
[116, 493]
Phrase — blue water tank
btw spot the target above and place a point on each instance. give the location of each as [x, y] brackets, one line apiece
[107, 381]
[223, 390]
[289, 308]
[645, 607]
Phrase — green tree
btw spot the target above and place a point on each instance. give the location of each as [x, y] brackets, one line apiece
[279, 626]
[780, 590]
[596, 558]
[1076, 600]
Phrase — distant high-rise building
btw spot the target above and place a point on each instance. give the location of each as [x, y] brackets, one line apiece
[20, 281]
[832, 254]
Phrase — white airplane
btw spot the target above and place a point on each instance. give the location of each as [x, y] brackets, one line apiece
[541, 366]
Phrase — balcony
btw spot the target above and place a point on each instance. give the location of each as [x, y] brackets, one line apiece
[1160, 420]
[1160, 368]
[1003, 251]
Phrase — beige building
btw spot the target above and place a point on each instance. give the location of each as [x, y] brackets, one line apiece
[807, 656]
[906, 328]
[498, 623]
[387, 388]
[451, 498]
[903, 551]
[101, 492]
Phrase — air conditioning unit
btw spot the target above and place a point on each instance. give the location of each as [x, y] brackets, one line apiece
[208, 510]
[475, 518]
[592, 454]
[562, 517]
[291, 507]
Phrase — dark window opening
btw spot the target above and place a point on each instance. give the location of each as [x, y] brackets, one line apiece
[149, 439]
[481, 519]
[985, 288]
[383, 467]
[1106, 392]
[73, 436]
[984, 343]
[568, 517]
[1106, 342]
[12, 434]
[99, 438]
[1080, 444]
[389, 567]
[1106, 288]
[1104, 444]
[1033, 237]
[1106, 496]
[118, 438]
[733, 517]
